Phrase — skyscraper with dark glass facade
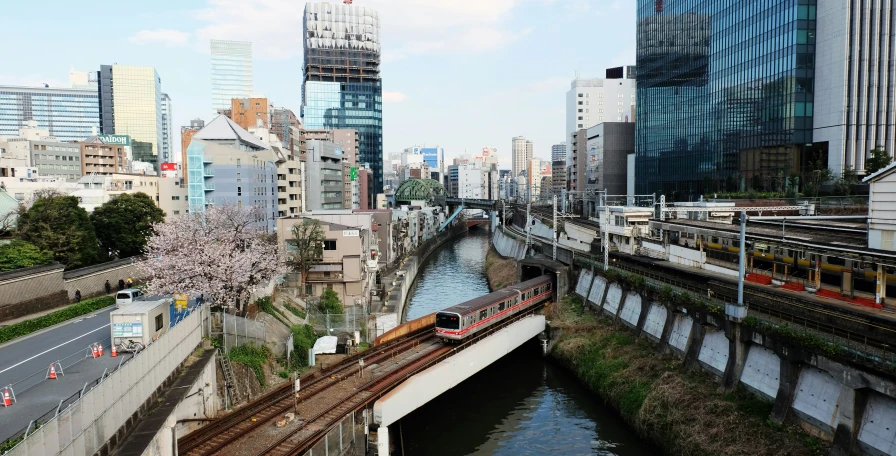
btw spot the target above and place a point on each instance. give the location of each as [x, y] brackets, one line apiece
[342, 87]
[725, 95]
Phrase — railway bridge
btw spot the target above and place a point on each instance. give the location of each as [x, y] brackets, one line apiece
[348, 408]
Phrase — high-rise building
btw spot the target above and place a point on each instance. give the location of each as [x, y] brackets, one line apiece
[131, 104]
[533, 178]
[68, 114]
[854, 103]
[342, 87]
[606, 162]
[724, 107]
[522, 151]
[558, 152]
[592, 101]
[231, 72]
[167, 149]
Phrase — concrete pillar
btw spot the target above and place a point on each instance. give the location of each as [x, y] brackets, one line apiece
[382, 441]
[851, 407]
[880, 296]
[642, 317]
[737, 356]
[667, 332]
[694, 344]
[787, 381]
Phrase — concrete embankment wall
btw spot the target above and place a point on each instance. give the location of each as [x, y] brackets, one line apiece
[508, 246]
[850, 407]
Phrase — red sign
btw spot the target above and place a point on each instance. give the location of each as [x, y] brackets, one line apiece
[169, 166]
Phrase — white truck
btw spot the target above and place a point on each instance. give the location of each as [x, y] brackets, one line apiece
[138, 324]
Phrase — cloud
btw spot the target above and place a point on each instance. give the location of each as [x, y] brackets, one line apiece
[408, 27]
[167, 37]
[394, 97]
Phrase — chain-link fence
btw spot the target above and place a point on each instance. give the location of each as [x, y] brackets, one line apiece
[235, 330]
[352, 318]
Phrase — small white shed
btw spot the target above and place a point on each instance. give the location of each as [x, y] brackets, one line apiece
[882, 209]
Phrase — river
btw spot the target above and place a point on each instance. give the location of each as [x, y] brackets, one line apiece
[520, 405]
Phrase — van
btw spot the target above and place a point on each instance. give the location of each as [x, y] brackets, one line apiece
[126, 297]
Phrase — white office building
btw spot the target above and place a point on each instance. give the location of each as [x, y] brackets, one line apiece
[166, 152]
[472, 181]
[522, 150]
[592, 101]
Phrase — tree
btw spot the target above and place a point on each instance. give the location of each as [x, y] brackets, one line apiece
[56, 224]
[221, 253]
[20, 254]
[843, 186]
[123, 224]
[308, 241]
[330, 302]
[817, 175]
[878, 160]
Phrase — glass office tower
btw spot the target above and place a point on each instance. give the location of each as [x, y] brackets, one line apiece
[342, 87]
[231, 72]
[69, 114]
[131, 104]
[725, 95]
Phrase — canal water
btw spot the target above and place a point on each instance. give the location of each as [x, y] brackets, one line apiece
[520, 405]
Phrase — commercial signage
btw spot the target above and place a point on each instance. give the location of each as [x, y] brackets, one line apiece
[354, 174]
[351, 233]
[129, 329]
[121, 140]
[169, 166]
[180, 301]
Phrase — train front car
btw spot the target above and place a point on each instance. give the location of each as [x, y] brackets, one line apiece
[448, 325]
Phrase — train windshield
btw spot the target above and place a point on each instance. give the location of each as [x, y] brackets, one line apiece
[447, 321]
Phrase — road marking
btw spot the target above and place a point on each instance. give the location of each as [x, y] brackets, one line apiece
[54, 348]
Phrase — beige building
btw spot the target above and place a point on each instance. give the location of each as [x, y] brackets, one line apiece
[290, 167]
[343, 267]
[173, 197]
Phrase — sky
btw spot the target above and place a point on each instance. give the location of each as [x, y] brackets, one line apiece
[458, 74]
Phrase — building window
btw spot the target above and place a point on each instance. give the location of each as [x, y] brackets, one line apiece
[159, 322]
[176, 212]
[239, 191]
[175, 198]
[581, 95]
[581, 103]
[239, 177]
[238, 163]
[330, 245]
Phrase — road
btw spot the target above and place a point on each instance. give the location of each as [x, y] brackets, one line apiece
[24, 363]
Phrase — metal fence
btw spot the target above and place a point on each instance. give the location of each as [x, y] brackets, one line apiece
[352, 318]
[85, 421]
[346, 438]
[236, 330]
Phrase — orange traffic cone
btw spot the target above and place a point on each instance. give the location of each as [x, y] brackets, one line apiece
[52, 375]
[95, 353]
[6, 400]
[100, 347]
[114, 351]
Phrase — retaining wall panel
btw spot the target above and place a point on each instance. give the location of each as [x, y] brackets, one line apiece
[584, 284]
[878, 433]
[656, 321]
[815, 401]
[681, 333]
[631, 309]
[714, 351]
[762, 372]
[596, 296]
[614, 297]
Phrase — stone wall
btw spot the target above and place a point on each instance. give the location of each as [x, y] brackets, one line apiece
[31, 290]
[854, 409]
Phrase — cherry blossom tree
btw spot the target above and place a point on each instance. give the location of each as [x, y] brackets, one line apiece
[222, 254]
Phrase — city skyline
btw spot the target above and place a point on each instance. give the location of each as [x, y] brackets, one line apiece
[468, 56]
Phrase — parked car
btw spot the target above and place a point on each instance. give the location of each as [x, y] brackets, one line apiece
[126, 297]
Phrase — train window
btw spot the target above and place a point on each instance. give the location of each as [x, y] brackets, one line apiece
[447, 321]
[483, 315]
[501, 306]
[836, 261]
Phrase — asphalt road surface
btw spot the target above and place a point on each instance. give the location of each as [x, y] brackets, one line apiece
[24, 363]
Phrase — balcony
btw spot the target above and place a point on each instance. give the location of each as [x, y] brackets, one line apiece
[208, 171]
[209, 186]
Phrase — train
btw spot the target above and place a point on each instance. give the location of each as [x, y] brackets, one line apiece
[462, 321]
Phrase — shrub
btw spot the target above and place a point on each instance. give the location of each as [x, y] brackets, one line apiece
[252, 356]
[303, 339]
[330, 303]
[25, 327]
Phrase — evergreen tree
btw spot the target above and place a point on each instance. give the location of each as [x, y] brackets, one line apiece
[125, 223]
[57, 224]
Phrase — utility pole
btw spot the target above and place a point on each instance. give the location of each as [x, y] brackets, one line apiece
[741, 258]
[555, 228]
[606, 241]
[528, 218]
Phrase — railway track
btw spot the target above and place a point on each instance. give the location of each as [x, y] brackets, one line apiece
[783, 307]
[223, 432]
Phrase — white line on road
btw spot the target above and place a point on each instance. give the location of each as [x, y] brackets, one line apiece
[51, 349]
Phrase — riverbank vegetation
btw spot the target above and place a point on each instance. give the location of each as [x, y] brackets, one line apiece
[500, 271]
[680, 411]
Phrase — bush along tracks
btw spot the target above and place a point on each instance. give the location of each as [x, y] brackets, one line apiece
[26, 327]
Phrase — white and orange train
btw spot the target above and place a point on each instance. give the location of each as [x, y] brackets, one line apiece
[463, 320]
